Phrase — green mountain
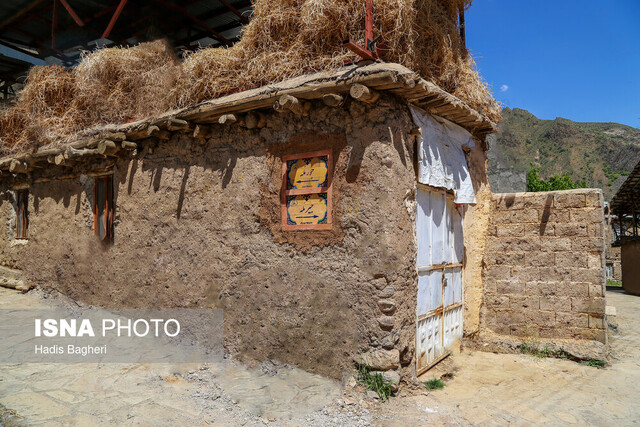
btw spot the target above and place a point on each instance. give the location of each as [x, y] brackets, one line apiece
[600, 154]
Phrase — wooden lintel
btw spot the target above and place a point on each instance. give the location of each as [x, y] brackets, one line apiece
[364, 94]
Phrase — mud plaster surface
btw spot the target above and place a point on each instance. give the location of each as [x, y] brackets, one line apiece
[195, 227]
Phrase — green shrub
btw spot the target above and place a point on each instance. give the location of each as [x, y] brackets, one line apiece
[434, 384]
[596, 363]
[556, 182]
[374, 382]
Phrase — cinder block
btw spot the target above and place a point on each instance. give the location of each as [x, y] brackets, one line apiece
[525, 274]
[541, 318]
[519, 302]
[509, 287]
[553, 244]
[571, 229]
[589, 244]
[510, 230]
[572, 320]
[588, 305]
[554, 303]
[573, 289]
[591, 275]
[539, 229]
[587, 215]
[569, 200]
[596, 290]
[596, 321]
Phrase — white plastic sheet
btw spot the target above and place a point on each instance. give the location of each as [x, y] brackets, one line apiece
[441, 159]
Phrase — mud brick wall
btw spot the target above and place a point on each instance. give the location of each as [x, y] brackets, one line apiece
[543, 267]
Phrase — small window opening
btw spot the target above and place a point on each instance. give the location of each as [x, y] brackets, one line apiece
[103, 208]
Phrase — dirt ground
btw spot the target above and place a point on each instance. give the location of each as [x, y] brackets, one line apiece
[486, 389]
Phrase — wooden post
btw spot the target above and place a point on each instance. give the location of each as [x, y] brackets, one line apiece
[289, 103]
[17, 166]
[227, 119]
[108, 148]
[364, 94]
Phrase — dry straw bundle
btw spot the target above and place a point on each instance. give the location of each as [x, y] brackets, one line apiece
[284, 38]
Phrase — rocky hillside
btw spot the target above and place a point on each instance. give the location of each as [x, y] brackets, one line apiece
[600, 154]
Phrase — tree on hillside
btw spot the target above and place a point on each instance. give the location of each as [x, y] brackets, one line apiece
[556, 182]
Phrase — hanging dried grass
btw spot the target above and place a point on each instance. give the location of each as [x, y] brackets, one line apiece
[284, 39]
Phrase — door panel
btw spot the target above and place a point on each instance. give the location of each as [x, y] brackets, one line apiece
[439, 310]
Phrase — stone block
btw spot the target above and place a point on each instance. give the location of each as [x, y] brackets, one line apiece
[571, 229]
[595, 260]
[519, 302]
[499, 272]
[571, 259]
[380, 360]
[386, 322]
[541, 288]
[590, 334]
[590, 275]
[387, 292]
[508, 201]
[556, 332]
[572, 289]
[537, 200]
[588, 244]
[539, 229]
[553, 303]
[504, 258]
[392, 377]
[525, 274]
[587, 215]
[541, 318]
[596, 321]
[508, 317]
[538, 259]
[525, 330]
[509, 287]
[496, 301]
[565, 200]
[554, 244]
[503, 244]
[588, 305]
[595, 199]
[554, 215]
[572, 320]
[595, 230]
[596, 290]
[387, 306]
[509, 230]
[555, 273]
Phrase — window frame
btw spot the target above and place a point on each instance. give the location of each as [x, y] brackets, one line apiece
[108, 207]
[285, 192]
[22, 213]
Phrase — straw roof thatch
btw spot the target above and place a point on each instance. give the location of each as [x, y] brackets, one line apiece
[284, 39]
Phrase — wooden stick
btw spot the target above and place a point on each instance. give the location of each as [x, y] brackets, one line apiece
[289, 103]
[227, 119]
[72, 153]
[177, 124]
[108, 148]
[333, 100]
[364, 94]
[128, 145]
[18, 167]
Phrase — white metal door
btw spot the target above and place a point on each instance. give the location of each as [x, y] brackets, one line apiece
[440, 269]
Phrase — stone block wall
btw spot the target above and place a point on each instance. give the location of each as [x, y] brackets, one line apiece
[543, 269]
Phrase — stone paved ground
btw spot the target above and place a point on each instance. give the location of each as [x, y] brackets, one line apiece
[487, 389]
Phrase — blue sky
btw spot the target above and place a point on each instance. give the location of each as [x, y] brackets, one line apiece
[574, 59]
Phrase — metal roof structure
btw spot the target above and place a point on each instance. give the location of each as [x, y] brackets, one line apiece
[628, 196]
[36, 32]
